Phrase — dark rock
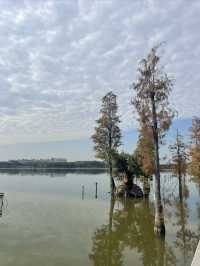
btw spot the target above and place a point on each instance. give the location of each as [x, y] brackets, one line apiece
[134, 192]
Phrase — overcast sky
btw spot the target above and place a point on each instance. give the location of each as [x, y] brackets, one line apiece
[58, 58]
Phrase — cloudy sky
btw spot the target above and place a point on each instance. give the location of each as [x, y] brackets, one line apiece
[59, 57]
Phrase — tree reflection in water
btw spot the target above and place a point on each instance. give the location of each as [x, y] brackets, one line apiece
[130, 226]
[107, 250]
[2, 203]
[186, 239]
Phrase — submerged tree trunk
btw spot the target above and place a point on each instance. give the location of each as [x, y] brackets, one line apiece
[146, 187]
[159, 226]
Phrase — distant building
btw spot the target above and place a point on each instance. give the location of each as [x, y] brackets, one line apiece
[58, 160]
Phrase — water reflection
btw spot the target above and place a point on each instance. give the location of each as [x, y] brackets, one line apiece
[131, 227]
[53, 172]
[2, 203]
[186, 239]
[77, 228]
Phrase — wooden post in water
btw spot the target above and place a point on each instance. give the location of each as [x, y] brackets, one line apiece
[83, 192]
[96, 194]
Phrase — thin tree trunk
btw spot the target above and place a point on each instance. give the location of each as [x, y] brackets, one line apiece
[146, 187]
[180, 187]
[112, 183]
[179, 169]
[159, 226]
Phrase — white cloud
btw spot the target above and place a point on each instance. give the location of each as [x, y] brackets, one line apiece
[58, 58]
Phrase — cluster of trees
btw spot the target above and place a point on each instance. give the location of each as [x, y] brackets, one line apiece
[151, 101]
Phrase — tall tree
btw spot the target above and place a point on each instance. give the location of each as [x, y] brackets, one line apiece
[195, 147]
[179, 157]
[107, 136]
[151, 102]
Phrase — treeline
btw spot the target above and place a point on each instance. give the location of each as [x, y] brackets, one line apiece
[37, 164]
[34, 164]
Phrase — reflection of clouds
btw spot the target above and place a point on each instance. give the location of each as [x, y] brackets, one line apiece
[58, 58]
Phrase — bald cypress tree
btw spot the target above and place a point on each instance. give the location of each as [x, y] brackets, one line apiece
[179, 157]
[107, 135]
[152, 91]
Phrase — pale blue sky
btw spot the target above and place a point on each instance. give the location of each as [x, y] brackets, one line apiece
[59, 58]
[83, 149]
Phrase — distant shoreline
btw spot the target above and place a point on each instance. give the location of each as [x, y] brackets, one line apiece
[56, 165]
[51, 164]
[55, 168]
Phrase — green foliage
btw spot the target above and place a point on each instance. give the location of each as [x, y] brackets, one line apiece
[127, 164]
[107, 136]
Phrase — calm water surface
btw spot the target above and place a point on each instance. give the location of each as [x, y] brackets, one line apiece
[46, 220]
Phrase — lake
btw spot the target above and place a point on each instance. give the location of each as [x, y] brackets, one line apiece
[49, 219]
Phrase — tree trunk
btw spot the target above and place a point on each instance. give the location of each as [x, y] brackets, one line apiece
[159, 226]
[180, 187]
[179, 169]
[146, 187]
[112, 183]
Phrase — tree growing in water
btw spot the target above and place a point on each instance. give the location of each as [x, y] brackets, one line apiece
[195, 147]
[107, 136]
[179, 157]
[151, 102]
[126, 166]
